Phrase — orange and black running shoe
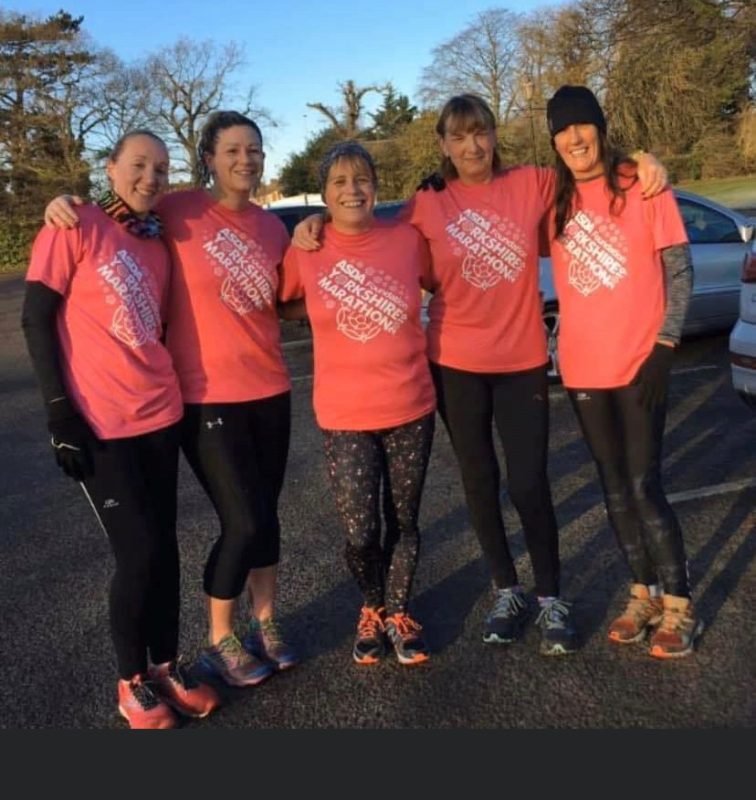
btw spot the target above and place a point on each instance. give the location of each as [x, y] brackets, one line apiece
[370, 642]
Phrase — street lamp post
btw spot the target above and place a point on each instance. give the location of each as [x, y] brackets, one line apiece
[528, 89]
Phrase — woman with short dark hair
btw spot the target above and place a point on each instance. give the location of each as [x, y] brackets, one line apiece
[373, 394]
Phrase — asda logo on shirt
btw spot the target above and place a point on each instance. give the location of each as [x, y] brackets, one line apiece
[597, 249]
[246, 271]
[492, 249]
[136, 319]
[367, 300]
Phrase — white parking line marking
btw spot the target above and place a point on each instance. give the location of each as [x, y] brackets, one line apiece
[685, 370]
[301, 378]
[710, 491]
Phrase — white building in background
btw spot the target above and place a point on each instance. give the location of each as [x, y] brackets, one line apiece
[307, 199]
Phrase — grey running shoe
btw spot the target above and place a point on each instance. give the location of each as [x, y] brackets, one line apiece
[264, 641]
[229, 661]
[405, 635]
[507, 618]
[558, 635]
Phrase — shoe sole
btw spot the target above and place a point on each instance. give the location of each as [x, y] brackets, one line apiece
[282, 666]
[186, 712]
[276, 666]
[123, 713]
[557, 650]
[658, 652]
[421, 658]
[238, 683]
[365, 660]
[493, 638]
[616, 639]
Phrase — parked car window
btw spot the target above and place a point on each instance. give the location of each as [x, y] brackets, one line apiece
[706, 226]
[291, 215]
[388, 209]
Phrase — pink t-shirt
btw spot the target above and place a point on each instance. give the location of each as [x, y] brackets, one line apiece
[363, 299]
[609, 279]
[117, 372]
[485, 314]
[223, 329]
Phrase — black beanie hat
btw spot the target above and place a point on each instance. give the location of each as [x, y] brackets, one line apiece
[573, 105]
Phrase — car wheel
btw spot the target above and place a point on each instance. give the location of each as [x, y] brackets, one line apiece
[551, 325]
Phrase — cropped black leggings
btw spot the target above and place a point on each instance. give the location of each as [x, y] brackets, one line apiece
[133, 494]
[238, 452]
[518, 402]
[625, 440]
[357, 462]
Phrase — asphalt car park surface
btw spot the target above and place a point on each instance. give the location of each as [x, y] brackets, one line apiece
[59, 670]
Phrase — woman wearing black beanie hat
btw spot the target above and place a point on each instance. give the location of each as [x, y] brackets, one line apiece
[623, 275]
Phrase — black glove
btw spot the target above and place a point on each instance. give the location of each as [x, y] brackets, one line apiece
[653, 375]
[72, 440]
[433, 181]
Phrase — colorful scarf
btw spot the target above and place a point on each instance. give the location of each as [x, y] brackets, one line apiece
[149, 227]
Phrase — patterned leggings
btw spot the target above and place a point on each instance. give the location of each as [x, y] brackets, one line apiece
[358, 461]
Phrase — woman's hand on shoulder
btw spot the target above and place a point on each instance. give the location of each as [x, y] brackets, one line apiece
[652, 174]
[60, 211]
[307, 233]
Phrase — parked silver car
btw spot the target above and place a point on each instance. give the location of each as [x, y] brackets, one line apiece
[743, 336]
[719, 239]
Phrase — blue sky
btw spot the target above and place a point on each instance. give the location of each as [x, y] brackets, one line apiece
[297, 51]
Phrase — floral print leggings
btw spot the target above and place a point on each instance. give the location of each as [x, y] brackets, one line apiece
[358, 463]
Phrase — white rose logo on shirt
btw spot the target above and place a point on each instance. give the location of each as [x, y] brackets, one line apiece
[136, 320]
[492, 248]
[598, 253]
[368, 300]
[249, 276]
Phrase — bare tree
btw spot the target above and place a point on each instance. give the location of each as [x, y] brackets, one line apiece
[187, 82]
[479, 59]
[345, 120]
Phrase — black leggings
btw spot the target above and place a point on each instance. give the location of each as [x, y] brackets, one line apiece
[625, 440]
[518, 403]
[238, 452]
[133, 494]
[357, 461]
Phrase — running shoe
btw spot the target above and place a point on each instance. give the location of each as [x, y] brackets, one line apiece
[678, 630]
[558, 634]
[641, 613]
[182, 691]
[263, 640]
[370, 641]
[142, 707]
[507, 618]
[229, 661]
[405, 635]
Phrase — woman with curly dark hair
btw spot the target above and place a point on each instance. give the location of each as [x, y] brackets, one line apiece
[623, 275]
